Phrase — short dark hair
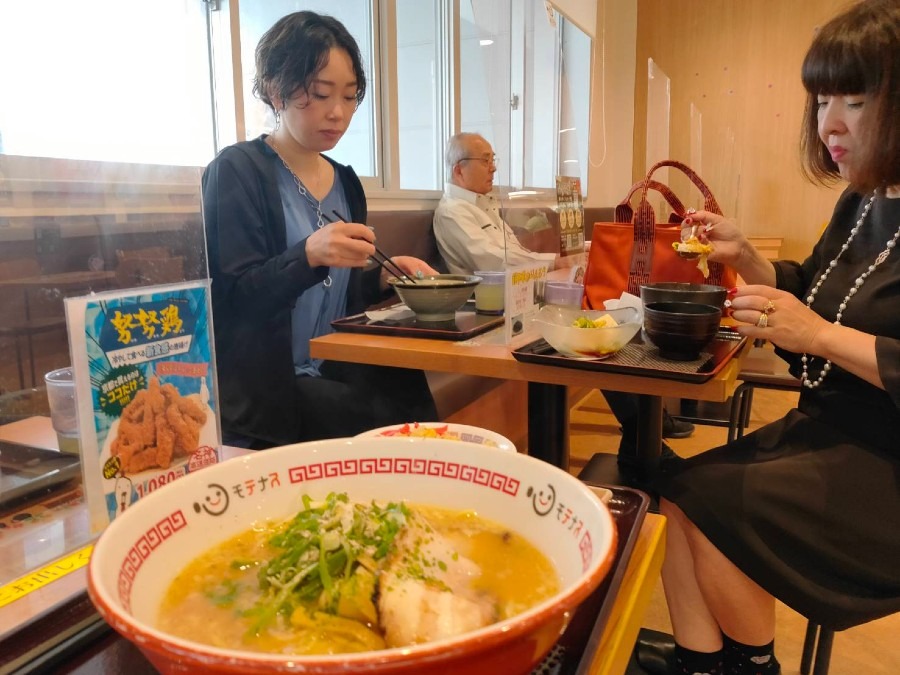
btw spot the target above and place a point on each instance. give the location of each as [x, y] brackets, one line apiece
[293, 51]
[857, 52]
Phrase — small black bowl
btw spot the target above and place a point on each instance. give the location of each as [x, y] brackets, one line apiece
[681, 329]
[673, 291]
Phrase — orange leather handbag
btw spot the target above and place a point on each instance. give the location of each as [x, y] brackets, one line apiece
[637, 250]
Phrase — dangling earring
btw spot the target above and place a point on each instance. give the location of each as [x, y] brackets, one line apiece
[277, 118]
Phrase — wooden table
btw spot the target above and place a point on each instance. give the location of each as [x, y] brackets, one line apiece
[62, 279]
[60, 285]
[35, 431]
[547, 405]
[78, 280]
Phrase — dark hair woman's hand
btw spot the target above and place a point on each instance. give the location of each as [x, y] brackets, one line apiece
[340, 245]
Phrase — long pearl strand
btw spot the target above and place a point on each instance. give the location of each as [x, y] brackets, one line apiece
[860, 280]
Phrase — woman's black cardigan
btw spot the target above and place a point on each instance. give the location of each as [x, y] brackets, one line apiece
[256, 280]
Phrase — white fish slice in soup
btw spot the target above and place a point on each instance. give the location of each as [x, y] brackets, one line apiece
[426, 589]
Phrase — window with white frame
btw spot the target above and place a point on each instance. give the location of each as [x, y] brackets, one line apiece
[105, 80]
[111, 92]
[424, 91]
[525, 87]
[523, 83]
[358, 146]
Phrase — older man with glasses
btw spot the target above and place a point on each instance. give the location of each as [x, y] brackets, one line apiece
[472, 236]
[470, 233]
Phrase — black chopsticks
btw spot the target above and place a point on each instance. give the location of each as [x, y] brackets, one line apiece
[385, 259]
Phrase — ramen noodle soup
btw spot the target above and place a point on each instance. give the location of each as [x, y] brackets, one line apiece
[347, 577]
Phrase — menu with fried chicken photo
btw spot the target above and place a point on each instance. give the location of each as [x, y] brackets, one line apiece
[145, 390]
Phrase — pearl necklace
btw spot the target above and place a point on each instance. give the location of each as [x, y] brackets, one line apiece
[316, 204]
[860, 280]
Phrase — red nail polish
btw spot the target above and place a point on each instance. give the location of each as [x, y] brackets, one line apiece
[732, 291]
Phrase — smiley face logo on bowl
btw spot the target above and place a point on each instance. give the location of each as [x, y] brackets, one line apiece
[216, 503]
[541, 502]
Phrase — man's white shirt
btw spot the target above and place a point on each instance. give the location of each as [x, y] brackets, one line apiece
[472, 236]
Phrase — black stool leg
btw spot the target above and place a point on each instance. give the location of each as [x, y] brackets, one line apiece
[735, 415]
[19, 362]
[31, 359]
[823, 652]
[809, 647]
[745, 410]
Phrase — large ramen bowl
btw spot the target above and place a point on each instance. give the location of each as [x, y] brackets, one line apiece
[436, 297]
[140, 553]
[556, 325]
[450, 431]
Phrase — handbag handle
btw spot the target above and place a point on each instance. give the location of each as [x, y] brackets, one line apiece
[624, 212]
[645, 217]
[709, 202]
[645, 226]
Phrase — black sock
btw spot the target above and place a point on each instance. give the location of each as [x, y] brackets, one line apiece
[741, 659]
[689, 662]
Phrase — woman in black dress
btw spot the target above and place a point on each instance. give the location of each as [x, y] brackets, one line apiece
[807, 509]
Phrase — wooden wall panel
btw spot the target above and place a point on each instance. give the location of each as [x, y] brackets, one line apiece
[738, 62]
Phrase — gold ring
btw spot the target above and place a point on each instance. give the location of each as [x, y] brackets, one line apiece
[769, 308]
[763, 320]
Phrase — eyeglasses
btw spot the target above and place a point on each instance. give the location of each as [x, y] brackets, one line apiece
[487, 161]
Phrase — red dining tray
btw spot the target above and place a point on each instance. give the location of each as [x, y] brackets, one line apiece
[575, 649]
[640, 357]
[466, 325]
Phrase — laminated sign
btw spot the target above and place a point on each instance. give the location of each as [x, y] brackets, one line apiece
[524, 296]
[145, 390]
[571, 216]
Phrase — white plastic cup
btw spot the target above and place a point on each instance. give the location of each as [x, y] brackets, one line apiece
[63, 414]
[565, 293]
[490, 292]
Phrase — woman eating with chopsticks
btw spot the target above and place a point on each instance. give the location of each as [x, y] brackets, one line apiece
[284, 265]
